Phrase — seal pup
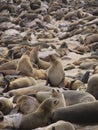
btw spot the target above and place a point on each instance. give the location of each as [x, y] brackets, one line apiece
[9, 65]
[25, 104]
[92, 86]
[20, 83]
[25, 67]
[55, 73]
[83, 113]
[28, 90]
[39, 74]
[24, 64]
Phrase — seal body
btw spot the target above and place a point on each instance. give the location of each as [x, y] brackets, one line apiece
[84, 113]
[40, 117]
[92, 86]
[55, 74]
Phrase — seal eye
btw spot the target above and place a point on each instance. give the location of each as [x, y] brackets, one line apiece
[58, 90]
[56, 102]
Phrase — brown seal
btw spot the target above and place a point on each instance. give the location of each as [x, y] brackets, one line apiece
[91, 39]
[54, 93]
[35, 60]
[55, 74]
[29, 90]
[40, 117]
[9, 65]
[83, 113]
[6, 105]
[92, 86]
[24, 64]
[25, 104]
[71, 96]
[20, 83]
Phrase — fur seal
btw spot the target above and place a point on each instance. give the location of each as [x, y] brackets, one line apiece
[84, 113]
[41, 96]
[60, 125]
[55, 73]
[92, 86]
[6, 105]
[40, 117]
[9, 65]
[74, 97]
[71, 96]
[58, 95]
[20, 83]
[25, 67]
[28, 90]
[24, 64]
[39, 74]
[91, 39]
[32, 120]
[26, 104]
[41, 64]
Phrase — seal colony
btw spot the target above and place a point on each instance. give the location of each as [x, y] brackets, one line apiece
[48, 64]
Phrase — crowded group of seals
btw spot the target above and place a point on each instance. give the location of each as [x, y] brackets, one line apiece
[48, 64]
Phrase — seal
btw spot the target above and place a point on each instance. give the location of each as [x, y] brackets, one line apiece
[71, 97]
[32, 120]
[54, 93]
[91, 39]
[55, 73]
[40, 117]
[83, 113]
[25, 104]
[28, 90]
[35, 60]
[24, 65]
[6, 105]
[9, 65]
[92, 86]
[20, 83]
